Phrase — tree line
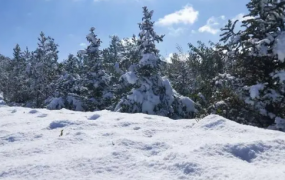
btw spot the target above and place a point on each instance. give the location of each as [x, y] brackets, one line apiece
[242, 77]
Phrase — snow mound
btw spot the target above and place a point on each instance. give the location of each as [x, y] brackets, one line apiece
[134, 146]
[2, 102]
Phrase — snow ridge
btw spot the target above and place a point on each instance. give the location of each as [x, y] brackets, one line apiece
[108, 145]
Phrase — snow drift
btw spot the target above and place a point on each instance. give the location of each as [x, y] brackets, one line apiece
[106, 145]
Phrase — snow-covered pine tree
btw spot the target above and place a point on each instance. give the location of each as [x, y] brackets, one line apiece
[152, 94]
[5, 70]
[43, 70]
[113, 56]
[128, 58]
[131, 53]
[205, 63]
[94, 77]
[18, 77]
[258, 56]
[69, 89]
[179, 73]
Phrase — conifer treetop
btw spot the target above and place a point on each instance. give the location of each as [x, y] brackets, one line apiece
[147, 35]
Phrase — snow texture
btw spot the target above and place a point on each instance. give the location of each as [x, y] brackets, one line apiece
[130, 77]
[59, 103]
[149, 59]
[189, 104]
[279, 47]
[280, 123]
[280, 75]
[134, 146]
[254, 90]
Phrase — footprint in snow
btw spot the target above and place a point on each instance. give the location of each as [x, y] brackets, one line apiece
[33, 111]
[149, 133]
[42, 115]
[148, 117]
[187, 167]
[94, 117]
[61, 124]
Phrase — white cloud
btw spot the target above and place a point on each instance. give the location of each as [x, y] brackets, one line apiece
[182, 57]
[168, 58]
[187, 15]
[126, 41]
[241, 17]
[82, 44]
[213, 25]
[176, 31]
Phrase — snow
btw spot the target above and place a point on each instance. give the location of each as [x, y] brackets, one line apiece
[81, 52]
[108, 145]
[148, 59]
[91, 38]
[254, 90]
[56, 103]
[2, 102]
[279, 46]
[220, 103]
[59, 103]
[169, 91]
[280, 123]
[117, 68]
[189, 104]
[280, 75]
[130, 77]
[147, 99]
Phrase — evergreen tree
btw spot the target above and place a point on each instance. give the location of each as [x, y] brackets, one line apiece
[69, 90]
[43, 70]
[257, 56]
[205, 63]
[113, 56]
[130, 55]
[192, 74]
[152, 94]
[5, 69]
[18, 77]
[180, 74]
[94, 77]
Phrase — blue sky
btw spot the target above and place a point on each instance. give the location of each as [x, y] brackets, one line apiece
[69, 21]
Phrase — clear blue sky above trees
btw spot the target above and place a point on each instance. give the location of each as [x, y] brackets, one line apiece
[68, 21]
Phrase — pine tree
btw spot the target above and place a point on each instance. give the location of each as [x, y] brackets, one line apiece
[18, 78]
[113, 56]
[151, 93]
[258, 60]
[179, 73]
[205, 63]
[5, 70]
[43, 70]
[69, 89]
[94, 77]
[130, 55]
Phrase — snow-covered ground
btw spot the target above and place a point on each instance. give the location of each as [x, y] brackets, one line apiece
[106, 145]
